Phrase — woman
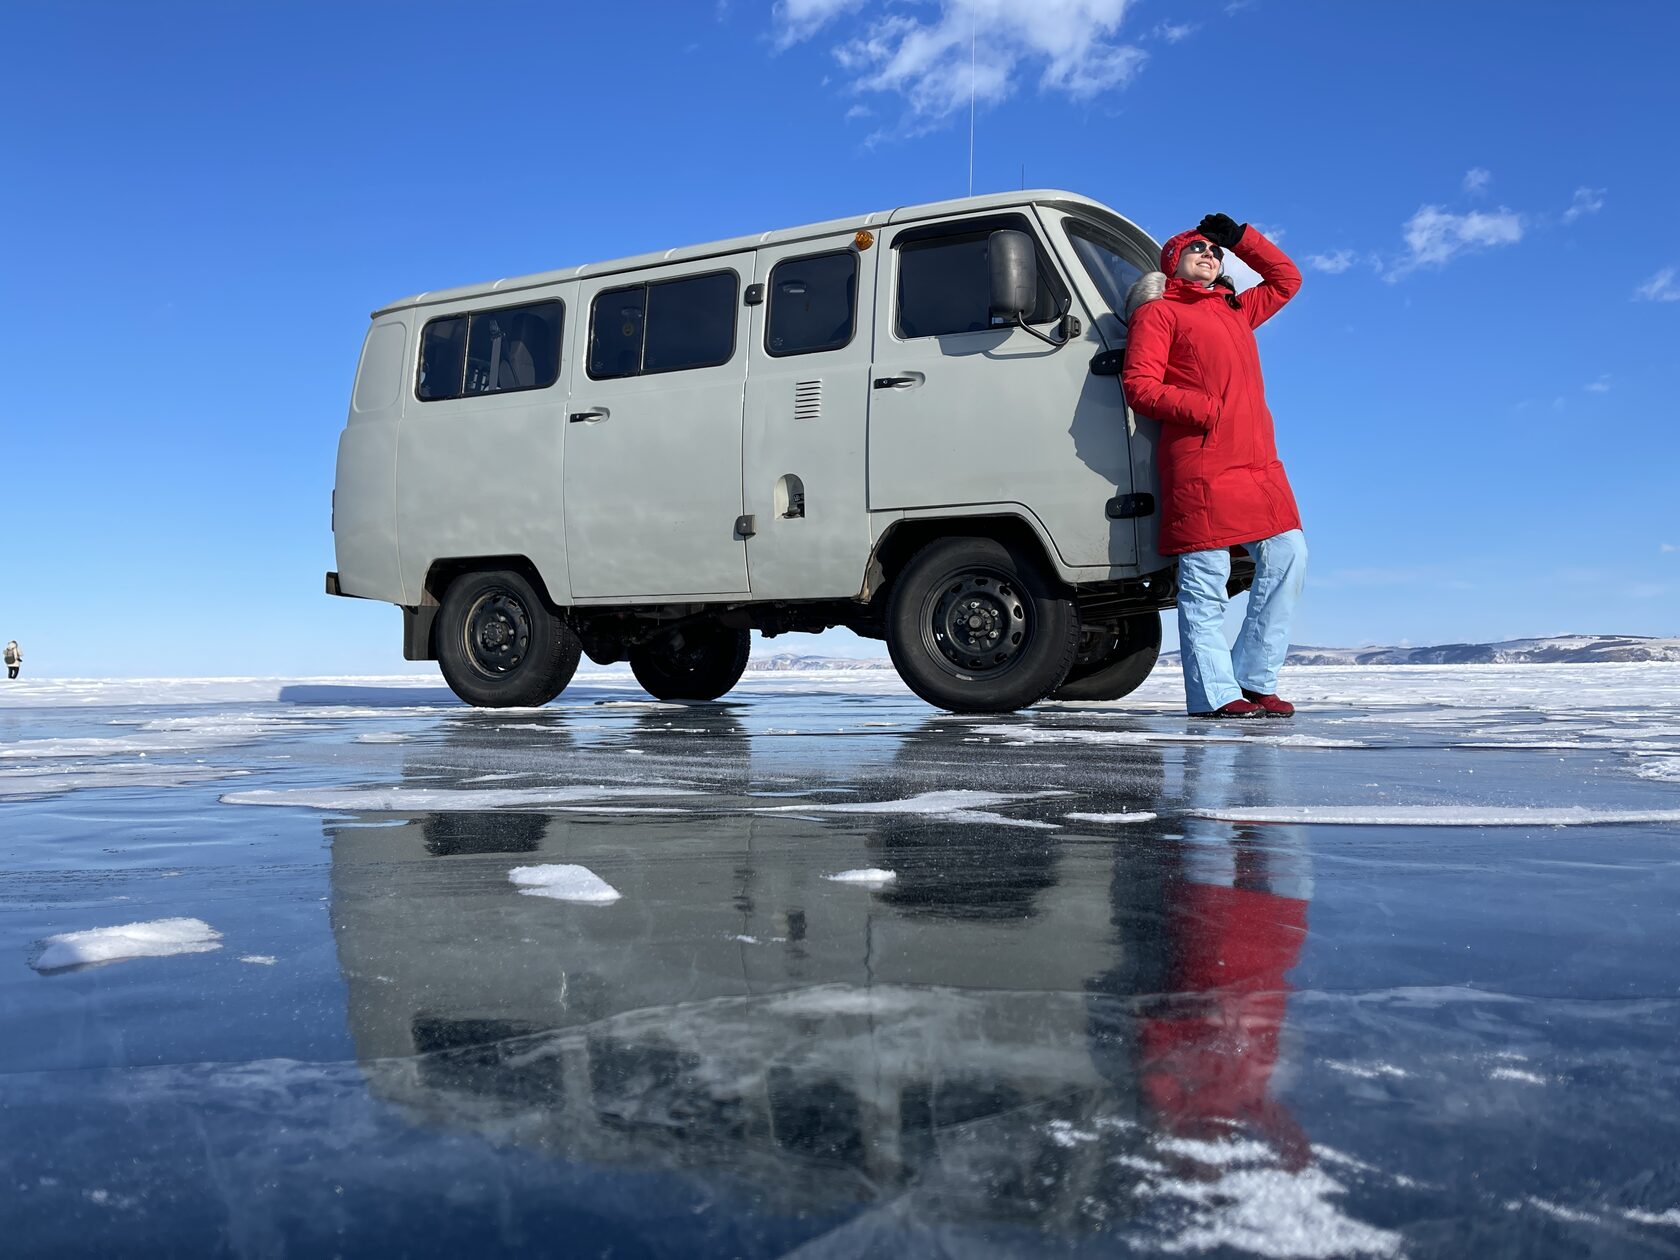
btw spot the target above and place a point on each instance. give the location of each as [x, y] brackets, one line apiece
[1192, 364]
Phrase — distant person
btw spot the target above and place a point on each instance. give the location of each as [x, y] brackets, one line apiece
[14, 659]
[1192, 364]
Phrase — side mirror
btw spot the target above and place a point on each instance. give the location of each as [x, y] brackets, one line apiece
[1014, 274]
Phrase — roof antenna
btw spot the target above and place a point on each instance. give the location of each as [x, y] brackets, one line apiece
[973, 43]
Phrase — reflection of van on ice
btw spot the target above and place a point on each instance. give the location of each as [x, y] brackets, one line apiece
[906, 423]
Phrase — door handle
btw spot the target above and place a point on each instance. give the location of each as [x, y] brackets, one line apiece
[588, 417]
[906, 381]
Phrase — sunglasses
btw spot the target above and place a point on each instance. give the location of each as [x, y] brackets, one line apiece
[1203, 247]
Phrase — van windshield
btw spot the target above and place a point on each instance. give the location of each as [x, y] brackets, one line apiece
[1106, 261]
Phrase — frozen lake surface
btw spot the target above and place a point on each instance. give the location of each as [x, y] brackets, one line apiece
[340, 966]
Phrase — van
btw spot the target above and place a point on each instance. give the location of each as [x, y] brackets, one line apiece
[907, 423]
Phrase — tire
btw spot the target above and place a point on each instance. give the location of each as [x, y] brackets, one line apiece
[1113, 659]
[700, 660]
[974, 627]
[498, 644]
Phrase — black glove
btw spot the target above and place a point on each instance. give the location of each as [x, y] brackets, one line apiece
[1222, 230]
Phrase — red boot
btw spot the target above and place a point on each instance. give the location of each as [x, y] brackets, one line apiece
[1270, 705]
[1235, 709]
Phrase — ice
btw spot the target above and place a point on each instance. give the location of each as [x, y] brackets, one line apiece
[261, 960]
[1141, 816]
[1436, 815]
[383, 737]
[564, 882]
[436, 800]
[159, 938]
[964, 806]
[1663, 769]
[54, 780]
[868, 875]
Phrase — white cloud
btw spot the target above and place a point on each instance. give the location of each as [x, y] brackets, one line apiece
[1334, 263]
[924, 57]
[1668, 547]
[1174, 34]
[1600, 386]
[1435, 236]
[1476, 180]
[1242, 275]
[797, 20]
[1659, 288]
[1587, 201]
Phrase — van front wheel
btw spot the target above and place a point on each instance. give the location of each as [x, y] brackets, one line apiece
[498, 644]
[975, 628]
[701, 660]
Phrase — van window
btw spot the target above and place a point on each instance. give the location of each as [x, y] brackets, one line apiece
[491, 352]
[1105, 260]
[443, 359]
[945, 283]
[617, 321]
[813, 304]
[667, 326]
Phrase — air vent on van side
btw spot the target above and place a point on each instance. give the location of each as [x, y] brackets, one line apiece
[807, 400]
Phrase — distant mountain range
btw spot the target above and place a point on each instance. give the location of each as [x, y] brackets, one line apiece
[1563, 649]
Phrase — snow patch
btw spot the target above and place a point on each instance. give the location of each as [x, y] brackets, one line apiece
[564, 883]
[383, 737]
[1670, 1217]
[438, 800]
[1024, 734]
[955, 806]
[868, 875]
[1273, 1212]
[1436, 815]
[261, 960]
[1141, 816]
[1367, 1071]
[159, 938]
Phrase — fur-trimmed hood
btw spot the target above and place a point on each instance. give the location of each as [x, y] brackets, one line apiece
[1146, 288]
[1152, 285]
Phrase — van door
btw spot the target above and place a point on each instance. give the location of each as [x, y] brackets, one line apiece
[653, 433]
[963, 412]
[478, 456]
[807, 406]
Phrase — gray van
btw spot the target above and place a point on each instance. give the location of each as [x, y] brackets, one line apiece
[906, 423]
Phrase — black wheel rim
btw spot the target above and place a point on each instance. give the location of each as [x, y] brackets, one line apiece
[498, 633]
[1096, 645]
[977, 623]
[693, 650]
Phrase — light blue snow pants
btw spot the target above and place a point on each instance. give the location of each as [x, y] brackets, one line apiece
[1214, 674]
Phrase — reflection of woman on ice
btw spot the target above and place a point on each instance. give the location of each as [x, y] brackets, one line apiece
[14, 659]
[1192, 364]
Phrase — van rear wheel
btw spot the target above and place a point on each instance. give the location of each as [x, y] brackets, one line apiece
[498, 644]
[1113, 659]
[700, 660]
[974, 627]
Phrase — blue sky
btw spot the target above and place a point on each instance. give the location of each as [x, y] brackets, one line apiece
[202, 203]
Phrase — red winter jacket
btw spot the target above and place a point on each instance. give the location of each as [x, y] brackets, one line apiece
[1191, 363]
